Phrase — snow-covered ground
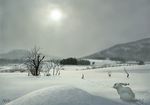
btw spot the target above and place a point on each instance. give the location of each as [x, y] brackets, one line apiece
[102, 62]
[12, 67]
[70, 89]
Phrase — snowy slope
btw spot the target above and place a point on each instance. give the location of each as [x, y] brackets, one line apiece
[137, 50]
[61, 95]
[15, 54]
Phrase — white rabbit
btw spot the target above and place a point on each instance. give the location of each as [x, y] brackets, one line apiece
[126, 94]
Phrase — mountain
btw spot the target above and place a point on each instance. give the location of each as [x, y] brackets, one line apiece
[137, 50]
[19, 54]
[14, 54]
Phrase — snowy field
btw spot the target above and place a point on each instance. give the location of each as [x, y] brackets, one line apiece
[70, 89]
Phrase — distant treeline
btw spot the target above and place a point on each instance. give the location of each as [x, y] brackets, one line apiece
[10, 61]
[74, 61]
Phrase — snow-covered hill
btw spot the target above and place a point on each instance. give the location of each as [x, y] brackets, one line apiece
[15, 54]
[137, 50]
[61, 95]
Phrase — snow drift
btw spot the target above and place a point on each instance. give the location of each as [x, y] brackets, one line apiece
[61, 95]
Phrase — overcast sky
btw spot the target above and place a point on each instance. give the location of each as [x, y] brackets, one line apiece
[89, 25]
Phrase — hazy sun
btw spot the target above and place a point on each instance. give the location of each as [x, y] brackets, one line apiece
[56, 15]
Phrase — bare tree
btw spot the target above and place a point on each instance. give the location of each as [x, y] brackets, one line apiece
[56, 67]
[34, 61]
[52, 67]
[48, 67]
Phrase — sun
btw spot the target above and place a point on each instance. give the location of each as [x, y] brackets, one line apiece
[56, 15]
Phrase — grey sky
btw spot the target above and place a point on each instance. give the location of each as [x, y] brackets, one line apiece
[89, 26]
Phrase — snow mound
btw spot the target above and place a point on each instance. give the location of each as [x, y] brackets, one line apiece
[61, 95]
